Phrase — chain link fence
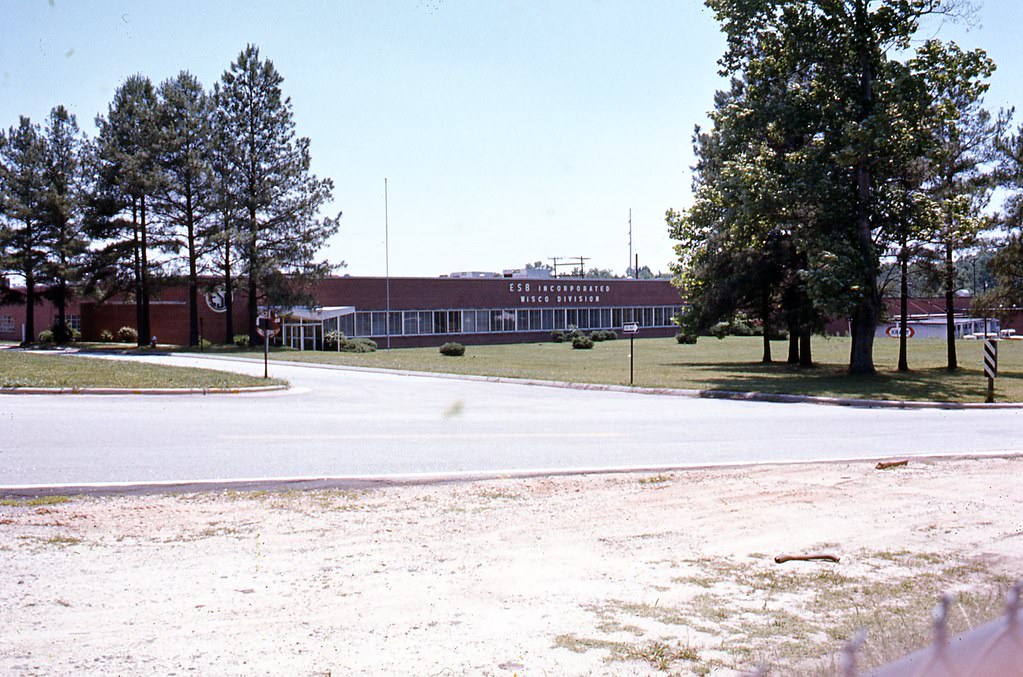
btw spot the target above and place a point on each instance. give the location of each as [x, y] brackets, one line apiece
[994, 649]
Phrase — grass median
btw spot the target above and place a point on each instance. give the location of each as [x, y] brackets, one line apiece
[65, 370]
[712, 364]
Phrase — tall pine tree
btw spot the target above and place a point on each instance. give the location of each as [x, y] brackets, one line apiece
[22, 248]
[278, 198]
[128, 179]
[183, 199]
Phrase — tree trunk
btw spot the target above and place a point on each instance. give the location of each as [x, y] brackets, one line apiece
[193, 274]
[903, 307]
[137, 262]
[765, 321]
[30, 307]
[252, 281]
[950, 309]
[864, 323]
[253, 309]
[61, 303]
[805, 354]
[865, 315]
[793, 357]
[145, 330]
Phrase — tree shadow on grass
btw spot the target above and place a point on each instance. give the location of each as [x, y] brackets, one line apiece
[830, 380]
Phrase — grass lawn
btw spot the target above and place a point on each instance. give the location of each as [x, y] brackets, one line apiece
[712, 364]
[25, 370]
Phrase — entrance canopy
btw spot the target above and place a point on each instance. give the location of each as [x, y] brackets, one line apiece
[305, 327]
[306, 314]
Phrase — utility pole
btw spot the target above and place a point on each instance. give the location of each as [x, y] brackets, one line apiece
[635, 273]
[387, 270]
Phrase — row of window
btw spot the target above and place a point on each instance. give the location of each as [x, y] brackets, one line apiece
[7, 325]
[420, 322]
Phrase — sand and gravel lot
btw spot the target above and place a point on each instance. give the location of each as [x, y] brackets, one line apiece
[617, 574]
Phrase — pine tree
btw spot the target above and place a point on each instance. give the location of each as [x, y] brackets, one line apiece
[128, 178]
[62, 223]
[22, 247]
[183, 199]
[278, 197]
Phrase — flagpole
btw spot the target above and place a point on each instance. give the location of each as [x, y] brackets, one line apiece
[387, 269]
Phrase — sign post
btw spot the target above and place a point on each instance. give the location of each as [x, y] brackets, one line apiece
[267, 325]
[990, 366]
[631, 328]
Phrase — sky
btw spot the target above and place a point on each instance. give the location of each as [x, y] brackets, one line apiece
[508, 132]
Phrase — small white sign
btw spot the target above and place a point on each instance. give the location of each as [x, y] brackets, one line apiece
[630, 327]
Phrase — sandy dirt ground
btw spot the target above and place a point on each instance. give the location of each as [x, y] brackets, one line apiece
[618, 574]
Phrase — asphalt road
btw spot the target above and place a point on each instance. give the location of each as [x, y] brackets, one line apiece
[337, 422]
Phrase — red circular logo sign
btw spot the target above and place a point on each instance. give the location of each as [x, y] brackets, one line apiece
[893, 331]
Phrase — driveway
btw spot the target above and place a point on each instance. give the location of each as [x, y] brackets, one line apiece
[340, 422]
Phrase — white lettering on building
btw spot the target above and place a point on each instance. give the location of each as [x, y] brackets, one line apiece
[562, 293]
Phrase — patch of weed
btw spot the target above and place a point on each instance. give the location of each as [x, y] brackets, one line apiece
[35, 501]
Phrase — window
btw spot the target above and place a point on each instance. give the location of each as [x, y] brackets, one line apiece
[440, 322]
[502, 320]
[455, 321]
[362, 324]
[395, 322]
[559, 319]
[616, 317]
[534, 320]
[547, 319]
[74, 321]
[469, 321]
[347, 325]
[483, 321]
[7, 323]
[426, 322]
[605, 318]
[379, 324]
[411, 323]
[522, 320]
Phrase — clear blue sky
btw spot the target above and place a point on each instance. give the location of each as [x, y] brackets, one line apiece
[509, 132]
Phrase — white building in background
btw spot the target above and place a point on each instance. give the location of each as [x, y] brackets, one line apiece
[933, 326]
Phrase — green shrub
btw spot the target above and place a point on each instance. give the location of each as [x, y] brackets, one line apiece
[332, 338]
[452, 349]
[739, 327]
[719, 330]
[127, 335]
[603, 335]
[582, 342]
[46, 336]
[685, 338]
[335, 341]
[242, 340]
[62, 333]
[106, 336]
[558, 336]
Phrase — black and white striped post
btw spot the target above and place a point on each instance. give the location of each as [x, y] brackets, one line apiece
[990, 366]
